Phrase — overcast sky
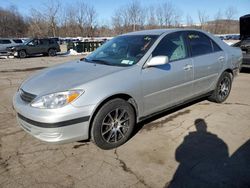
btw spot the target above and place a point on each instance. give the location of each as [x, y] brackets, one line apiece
[105, 8]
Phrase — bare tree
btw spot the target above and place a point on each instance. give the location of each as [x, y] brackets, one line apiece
[203, 18]
[91, 21]
[86, 17]
[129, 18]
[136, 15]
[52, 15]
[44, 22]
[230, 13]
[168, 15]
[12, 24]
[217, 27]
[189, 21]
[160, 16]
[68, 22]
[118, 22]
[38, 26]
[151, 18]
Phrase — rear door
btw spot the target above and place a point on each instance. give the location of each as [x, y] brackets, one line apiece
[208, 59]
[165, 85]
[43, 45]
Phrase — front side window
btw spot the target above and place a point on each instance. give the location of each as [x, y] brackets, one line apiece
[124, 50]
[33, 42]
[200, 44]
[18, 41]
[173, 46]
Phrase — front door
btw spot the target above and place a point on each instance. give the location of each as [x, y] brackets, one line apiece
[33, 47]
[166, 85]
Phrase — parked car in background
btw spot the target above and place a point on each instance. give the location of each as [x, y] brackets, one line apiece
[35, 46]
[244, 44]
[6, 42]
[126, 80]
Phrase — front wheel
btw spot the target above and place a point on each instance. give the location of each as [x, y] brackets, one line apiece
[223, 88]
[113, 124]
[22, 54]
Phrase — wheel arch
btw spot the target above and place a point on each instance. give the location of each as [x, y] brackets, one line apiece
[25, 50]
[230, 71]
[123, 96]
[51, 48]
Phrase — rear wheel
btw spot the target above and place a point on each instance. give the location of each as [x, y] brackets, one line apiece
[113, 124]
[22, 54]
[52, 52]
[223, 88]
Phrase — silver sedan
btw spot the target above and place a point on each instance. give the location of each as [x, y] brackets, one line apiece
[133, 76]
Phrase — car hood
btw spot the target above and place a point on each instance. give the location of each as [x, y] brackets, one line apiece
[66, 76]
[17, 46]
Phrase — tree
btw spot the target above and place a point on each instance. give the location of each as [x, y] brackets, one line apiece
[52, 15]
[168, 15]
[86, 17]
[38, 26]
[218, 28]
[151, 18]
[189, 21]
[230, 13]
[136, 15]
[129, 18]
[12, 23]
[203, 18]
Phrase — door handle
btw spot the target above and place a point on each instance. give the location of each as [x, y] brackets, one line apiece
[221, 58]
[187, 67]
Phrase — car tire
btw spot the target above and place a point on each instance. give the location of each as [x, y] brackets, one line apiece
[52, 52]
[22, 54]
[113, 124]
[222, 89]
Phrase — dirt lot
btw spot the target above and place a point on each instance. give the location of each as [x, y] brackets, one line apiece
[202, 144]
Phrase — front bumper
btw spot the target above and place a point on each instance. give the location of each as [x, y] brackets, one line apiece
[62, 125]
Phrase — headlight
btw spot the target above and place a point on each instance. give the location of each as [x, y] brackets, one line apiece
[56, 100]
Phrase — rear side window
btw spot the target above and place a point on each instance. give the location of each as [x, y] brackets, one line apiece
[173, 46]
[200, 44]
[18, 41]
[43, 41]
[3, 41]
[52, 41]
[216, 47]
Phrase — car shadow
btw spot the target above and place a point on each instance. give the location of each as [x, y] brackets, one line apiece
[204, 162]
[144, 123]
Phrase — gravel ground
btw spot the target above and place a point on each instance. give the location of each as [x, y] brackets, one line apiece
[201, 144]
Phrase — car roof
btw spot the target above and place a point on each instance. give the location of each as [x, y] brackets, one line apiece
[158, 31]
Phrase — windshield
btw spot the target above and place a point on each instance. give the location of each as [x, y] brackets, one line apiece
[27, 41]
[122, 50]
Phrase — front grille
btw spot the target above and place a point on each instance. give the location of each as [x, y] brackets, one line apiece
[27, 97]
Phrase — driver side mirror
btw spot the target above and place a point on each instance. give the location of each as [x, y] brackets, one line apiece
[157, 60]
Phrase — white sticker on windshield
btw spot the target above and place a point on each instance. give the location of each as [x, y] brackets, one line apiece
[131, 62]
[125, 62]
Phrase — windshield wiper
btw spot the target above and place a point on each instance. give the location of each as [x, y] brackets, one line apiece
[99, 61]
